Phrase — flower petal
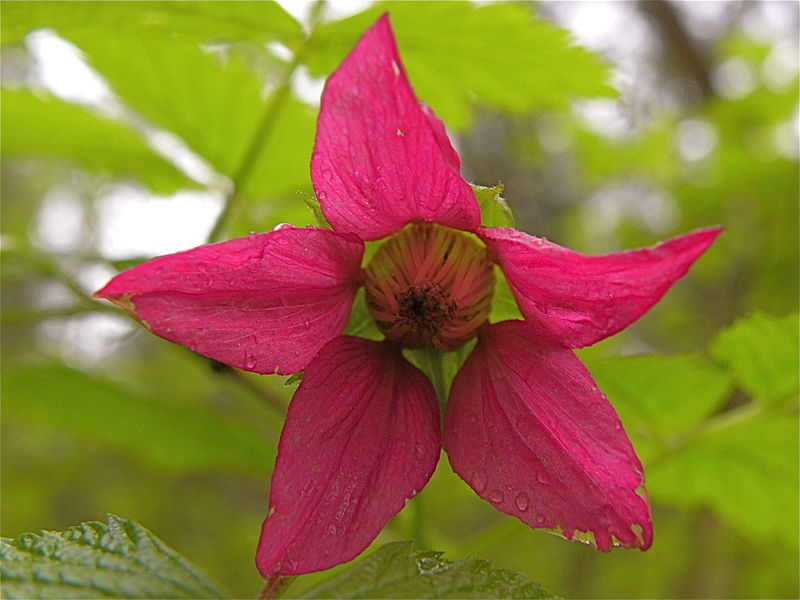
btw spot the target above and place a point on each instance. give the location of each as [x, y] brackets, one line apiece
[265, 303]
[380, 159]
[528, 430]
[577, 300]
[361, 437]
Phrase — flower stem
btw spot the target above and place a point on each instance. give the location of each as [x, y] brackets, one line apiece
[274, 587]
[418, 523]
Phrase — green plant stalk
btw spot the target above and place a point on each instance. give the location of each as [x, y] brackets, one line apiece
[274, 105]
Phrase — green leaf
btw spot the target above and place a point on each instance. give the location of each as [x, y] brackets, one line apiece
[456, 53]
[166, 435]
[43, 127]
[115, 559]
[257, 22]
[746, 470]
[762, 352]
[394, 571]
[213, 102]
[658, 395]
[494, 210]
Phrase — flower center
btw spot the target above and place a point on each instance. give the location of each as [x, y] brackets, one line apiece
[429, 285]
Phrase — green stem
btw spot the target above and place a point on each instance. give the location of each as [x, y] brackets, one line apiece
[271, 112]
[418, 523]
[716, 424]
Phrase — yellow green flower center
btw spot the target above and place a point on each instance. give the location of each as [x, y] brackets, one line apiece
[430, 285]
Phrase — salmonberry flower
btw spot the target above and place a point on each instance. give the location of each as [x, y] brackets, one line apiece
[525, 425]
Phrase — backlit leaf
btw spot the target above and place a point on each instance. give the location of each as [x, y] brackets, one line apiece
[456, 53]
[196, 21]
[47, 128]
[762, 352]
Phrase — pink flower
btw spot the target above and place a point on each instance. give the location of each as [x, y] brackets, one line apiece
[525, 425]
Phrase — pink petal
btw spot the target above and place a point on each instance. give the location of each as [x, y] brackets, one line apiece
[265, 303]
[361, 437]
[576, 300]
[528, 430]
[380, 159]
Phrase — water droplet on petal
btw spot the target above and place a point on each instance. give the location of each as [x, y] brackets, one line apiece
[521, 501]
[478, 482]
[281, 226]
[618, 426]
[542, 478]
[496, 496]
[540, 519]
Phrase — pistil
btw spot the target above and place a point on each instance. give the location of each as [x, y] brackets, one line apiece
[429, 285]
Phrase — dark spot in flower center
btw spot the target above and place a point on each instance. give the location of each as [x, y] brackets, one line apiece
[429, 285]
[425, 307]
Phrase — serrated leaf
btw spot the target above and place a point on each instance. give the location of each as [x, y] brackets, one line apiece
[115, 559]
[166, 435]
[457, 52]
[659, 395]
[215, 103]
[762, 353]
[257, 22]
[494, 210]
[43, 127]
[394, 571]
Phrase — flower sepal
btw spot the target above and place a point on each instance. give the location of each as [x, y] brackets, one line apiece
[495, 211]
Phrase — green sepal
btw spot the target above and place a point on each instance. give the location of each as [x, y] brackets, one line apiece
[494, 209]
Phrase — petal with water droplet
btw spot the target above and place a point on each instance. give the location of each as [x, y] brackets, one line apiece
[361, 436]
[264, 303]
[576, 300]
[369, 179]
[542, 419]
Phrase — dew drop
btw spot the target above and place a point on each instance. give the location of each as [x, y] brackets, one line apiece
[496, 496]
[540, 519]
[521, 501]
[478, 481]
[542, 478]
[617, 425]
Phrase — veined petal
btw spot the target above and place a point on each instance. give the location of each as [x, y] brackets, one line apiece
[361, 437]
[528, 430]
[265, 303]
[380, 159]
[577, 300]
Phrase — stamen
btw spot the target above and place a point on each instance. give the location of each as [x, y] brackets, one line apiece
[429, 285]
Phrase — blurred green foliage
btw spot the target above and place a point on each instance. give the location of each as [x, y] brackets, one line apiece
[111, 419]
